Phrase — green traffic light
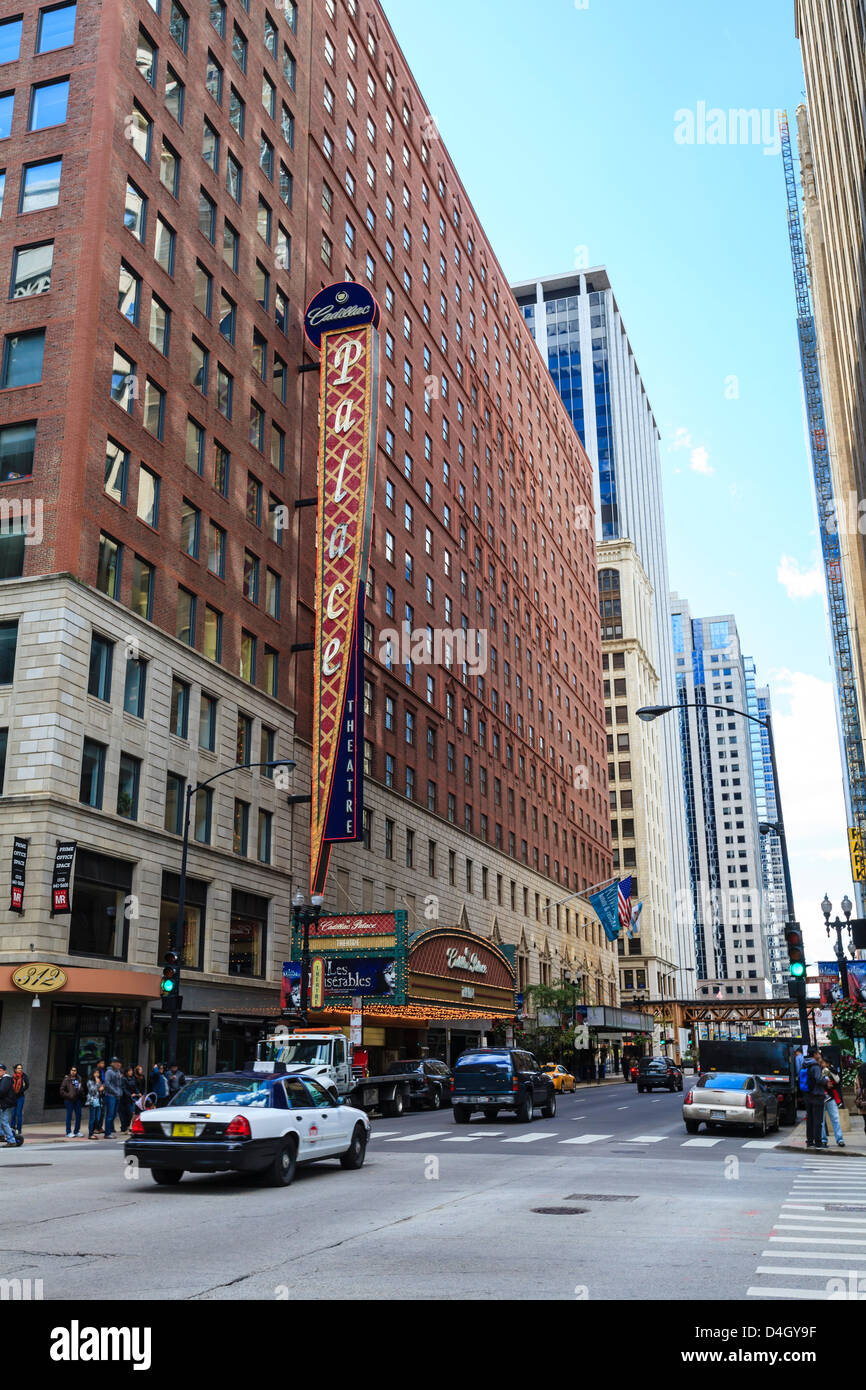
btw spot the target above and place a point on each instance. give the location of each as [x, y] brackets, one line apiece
[796, 968]
[167, 986]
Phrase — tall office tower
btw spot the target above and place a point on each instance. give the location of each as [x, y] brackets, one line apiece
[721, 806]
[767, 801]
[179, 182]
[577, 325]
[831, 130]
[647, 952]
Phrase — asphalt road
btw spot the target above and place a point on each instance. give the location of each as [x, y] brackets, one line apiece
[442, 1211]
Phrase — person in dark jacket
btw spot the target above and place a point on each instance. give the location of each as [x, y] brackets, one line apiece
[20, 1085]
[6, 1105]
[159, 1084]
[176, 1080]
[815, 1093]
[95, 1092]
[126, 1105]
[72, 1093]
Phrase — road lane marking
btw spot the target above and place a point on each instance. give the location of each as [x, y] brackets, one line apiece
[761, 1143]
[426, 1134]
[586, 1139]
[622, 1107]
[532, 1138]
[487, 1134]
[703, 1143]
[383, 1133]
[816, 1240]
[852, 1255]
[464, 1138]
[804, 1294]
[822, 1270]
[647, 1139]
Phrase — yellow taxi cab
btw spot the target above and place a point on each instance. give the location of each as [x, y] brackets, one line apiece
[562, 1079]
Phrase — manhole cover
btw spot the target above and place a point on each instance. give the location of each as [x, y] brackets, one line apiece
[599, 1197]
[559, 1211]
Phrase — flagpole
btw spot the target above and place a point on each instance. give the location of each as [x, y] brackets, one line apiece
[614, 878]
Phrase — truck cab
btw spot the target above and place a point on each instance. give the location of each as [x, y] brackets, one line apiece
[319, 1052]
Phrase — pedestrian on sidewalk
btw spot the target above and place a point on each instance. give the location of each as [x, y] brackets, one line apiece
[602, 1066]
[860, 1092]
[159, 1083]
[126, 1108]
[815, 1093]
[72, 1094]
[95, 1092]
[113, 1080]
[176, 1080]
[832, 1101]
[20, 1084]
[6, 1107]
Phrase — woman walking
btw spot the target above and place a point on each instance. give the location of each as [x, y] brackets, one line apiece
[130, 1095]
[72, 1094]
[20, 1084]
[95, 1090]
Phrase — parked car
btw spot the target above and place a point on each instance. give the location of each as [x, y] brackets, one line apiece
[247, 1122]
[658, 1071]
[500, 1078]
[562, 1079]
[730, 1098]
[433, 1086]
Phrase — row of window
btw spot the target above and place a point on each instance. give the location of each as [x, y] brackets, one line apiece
[55, 28]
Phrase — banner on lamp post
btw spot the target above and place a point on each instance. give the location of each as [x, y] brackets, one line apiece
[341, 321]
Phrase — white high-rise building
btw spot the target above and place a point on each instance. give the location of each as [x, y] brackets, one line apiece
[722, 813]
[576, 323]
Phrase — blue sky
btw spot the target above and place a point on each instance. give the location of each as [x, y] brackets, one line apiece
[561, 120]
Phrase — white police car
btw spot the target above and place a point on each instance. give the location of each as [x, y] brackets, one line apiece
[248, 1123]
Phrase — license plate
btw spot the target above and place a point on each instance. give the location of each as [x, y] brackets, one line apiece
[718, 1114]
[183, 1131]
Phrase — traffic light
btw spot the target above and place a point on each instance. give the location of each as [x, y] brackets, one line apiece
[168, 985]
[796, 961]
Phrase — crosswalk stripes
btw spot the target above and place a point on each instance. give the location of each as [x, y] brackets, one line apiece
[536, 1136]
[818, 1248]
[586, 1139]
[530, 1138]
[703, 1142]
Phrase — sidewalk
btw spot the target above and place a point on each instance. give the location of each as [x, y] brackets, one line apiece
[855, 1141]
[54, 1132]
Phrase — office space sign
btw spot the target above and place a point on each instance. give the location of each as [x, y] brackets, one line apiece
[341, 320]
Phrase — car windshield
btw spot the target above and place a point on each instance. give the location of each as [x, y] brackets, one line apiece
[723, 1081]
[480, 1065]
[396, 1067]
[211, 1090]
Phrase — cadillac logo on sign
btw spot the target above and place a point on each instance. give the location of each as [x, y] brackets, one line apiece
[342, 320]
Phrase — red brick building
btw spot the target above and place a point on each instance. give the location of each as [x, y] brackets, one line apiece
[178, 182]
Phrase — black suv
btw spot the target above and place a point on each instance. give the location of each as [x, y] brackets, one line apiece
[431, 1080]
[658, 1071]
[500, 1078]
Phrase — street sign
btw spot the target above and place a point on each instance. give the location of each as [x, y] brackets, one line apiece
[355, 1029]
[858, 856]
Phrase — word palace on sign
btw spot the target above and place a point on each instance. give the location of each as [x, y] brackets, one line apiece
[348, 413]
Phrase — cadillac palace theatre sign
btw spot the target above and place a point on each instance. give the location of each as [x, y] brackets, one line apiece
[342, 322]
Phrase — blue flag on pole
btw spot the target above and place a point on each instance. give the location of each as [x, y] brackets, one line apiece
[606, 907]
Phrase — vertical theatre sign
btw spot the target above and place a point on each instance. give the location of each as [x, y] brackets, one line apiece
[341, 321]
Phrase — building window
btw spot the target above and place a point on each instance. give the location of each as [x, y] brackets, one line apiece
[99, 674]
[48, 103]
[185, 623]
[127, 786]
[108, 566]
[40, 186]
[264, 839]
[92, 773]
[213, 634]
[141, 600]
[31, 270]
[134, 685]
[247, 934]
[241, 827]
[191, 941]
[207, 717]
[175, 791]
[98, 920]
[17, 447]
[22, 358]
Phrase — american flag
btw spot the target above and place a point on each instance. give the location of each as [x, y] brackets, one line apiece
[624, 901]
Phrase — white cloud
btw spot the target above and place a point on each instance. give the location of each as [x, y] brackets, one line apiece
[681, 440]
[699, 462]
[810, 777]
[799, 583]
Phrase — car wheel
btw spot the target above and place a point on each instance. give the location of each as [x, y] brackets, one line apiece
[461, 1114]
[166, 1177]
[282, 1170]
[436, 1099]
[524, 1112]
[549, 1110]
[354, 1155]
[692, 1126]
[395, 1106]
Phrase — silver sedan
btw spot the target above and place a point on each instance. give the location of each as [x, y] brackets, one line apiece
[730, 1098]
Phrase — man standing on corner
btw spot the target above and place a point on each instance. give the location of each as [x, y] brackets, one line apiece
[113, 1081]
[815, 1093]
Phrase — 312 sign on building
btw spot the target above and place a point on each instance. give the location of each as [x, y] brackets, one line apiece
[341, 321]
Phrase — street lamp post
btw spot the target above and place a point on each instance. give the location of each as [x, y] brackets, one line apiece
[650, 712]
[846, 906]
[176, 937]
[306, 917]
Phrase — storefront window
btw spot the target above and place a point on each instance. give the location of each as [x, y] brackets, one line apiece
[192, 1039]
[247, 934]
[81, 1035]
[98, 924]
[195, 901]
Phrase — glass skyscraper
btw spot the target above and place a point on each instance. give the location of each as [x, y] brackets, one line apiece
[577, 326]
